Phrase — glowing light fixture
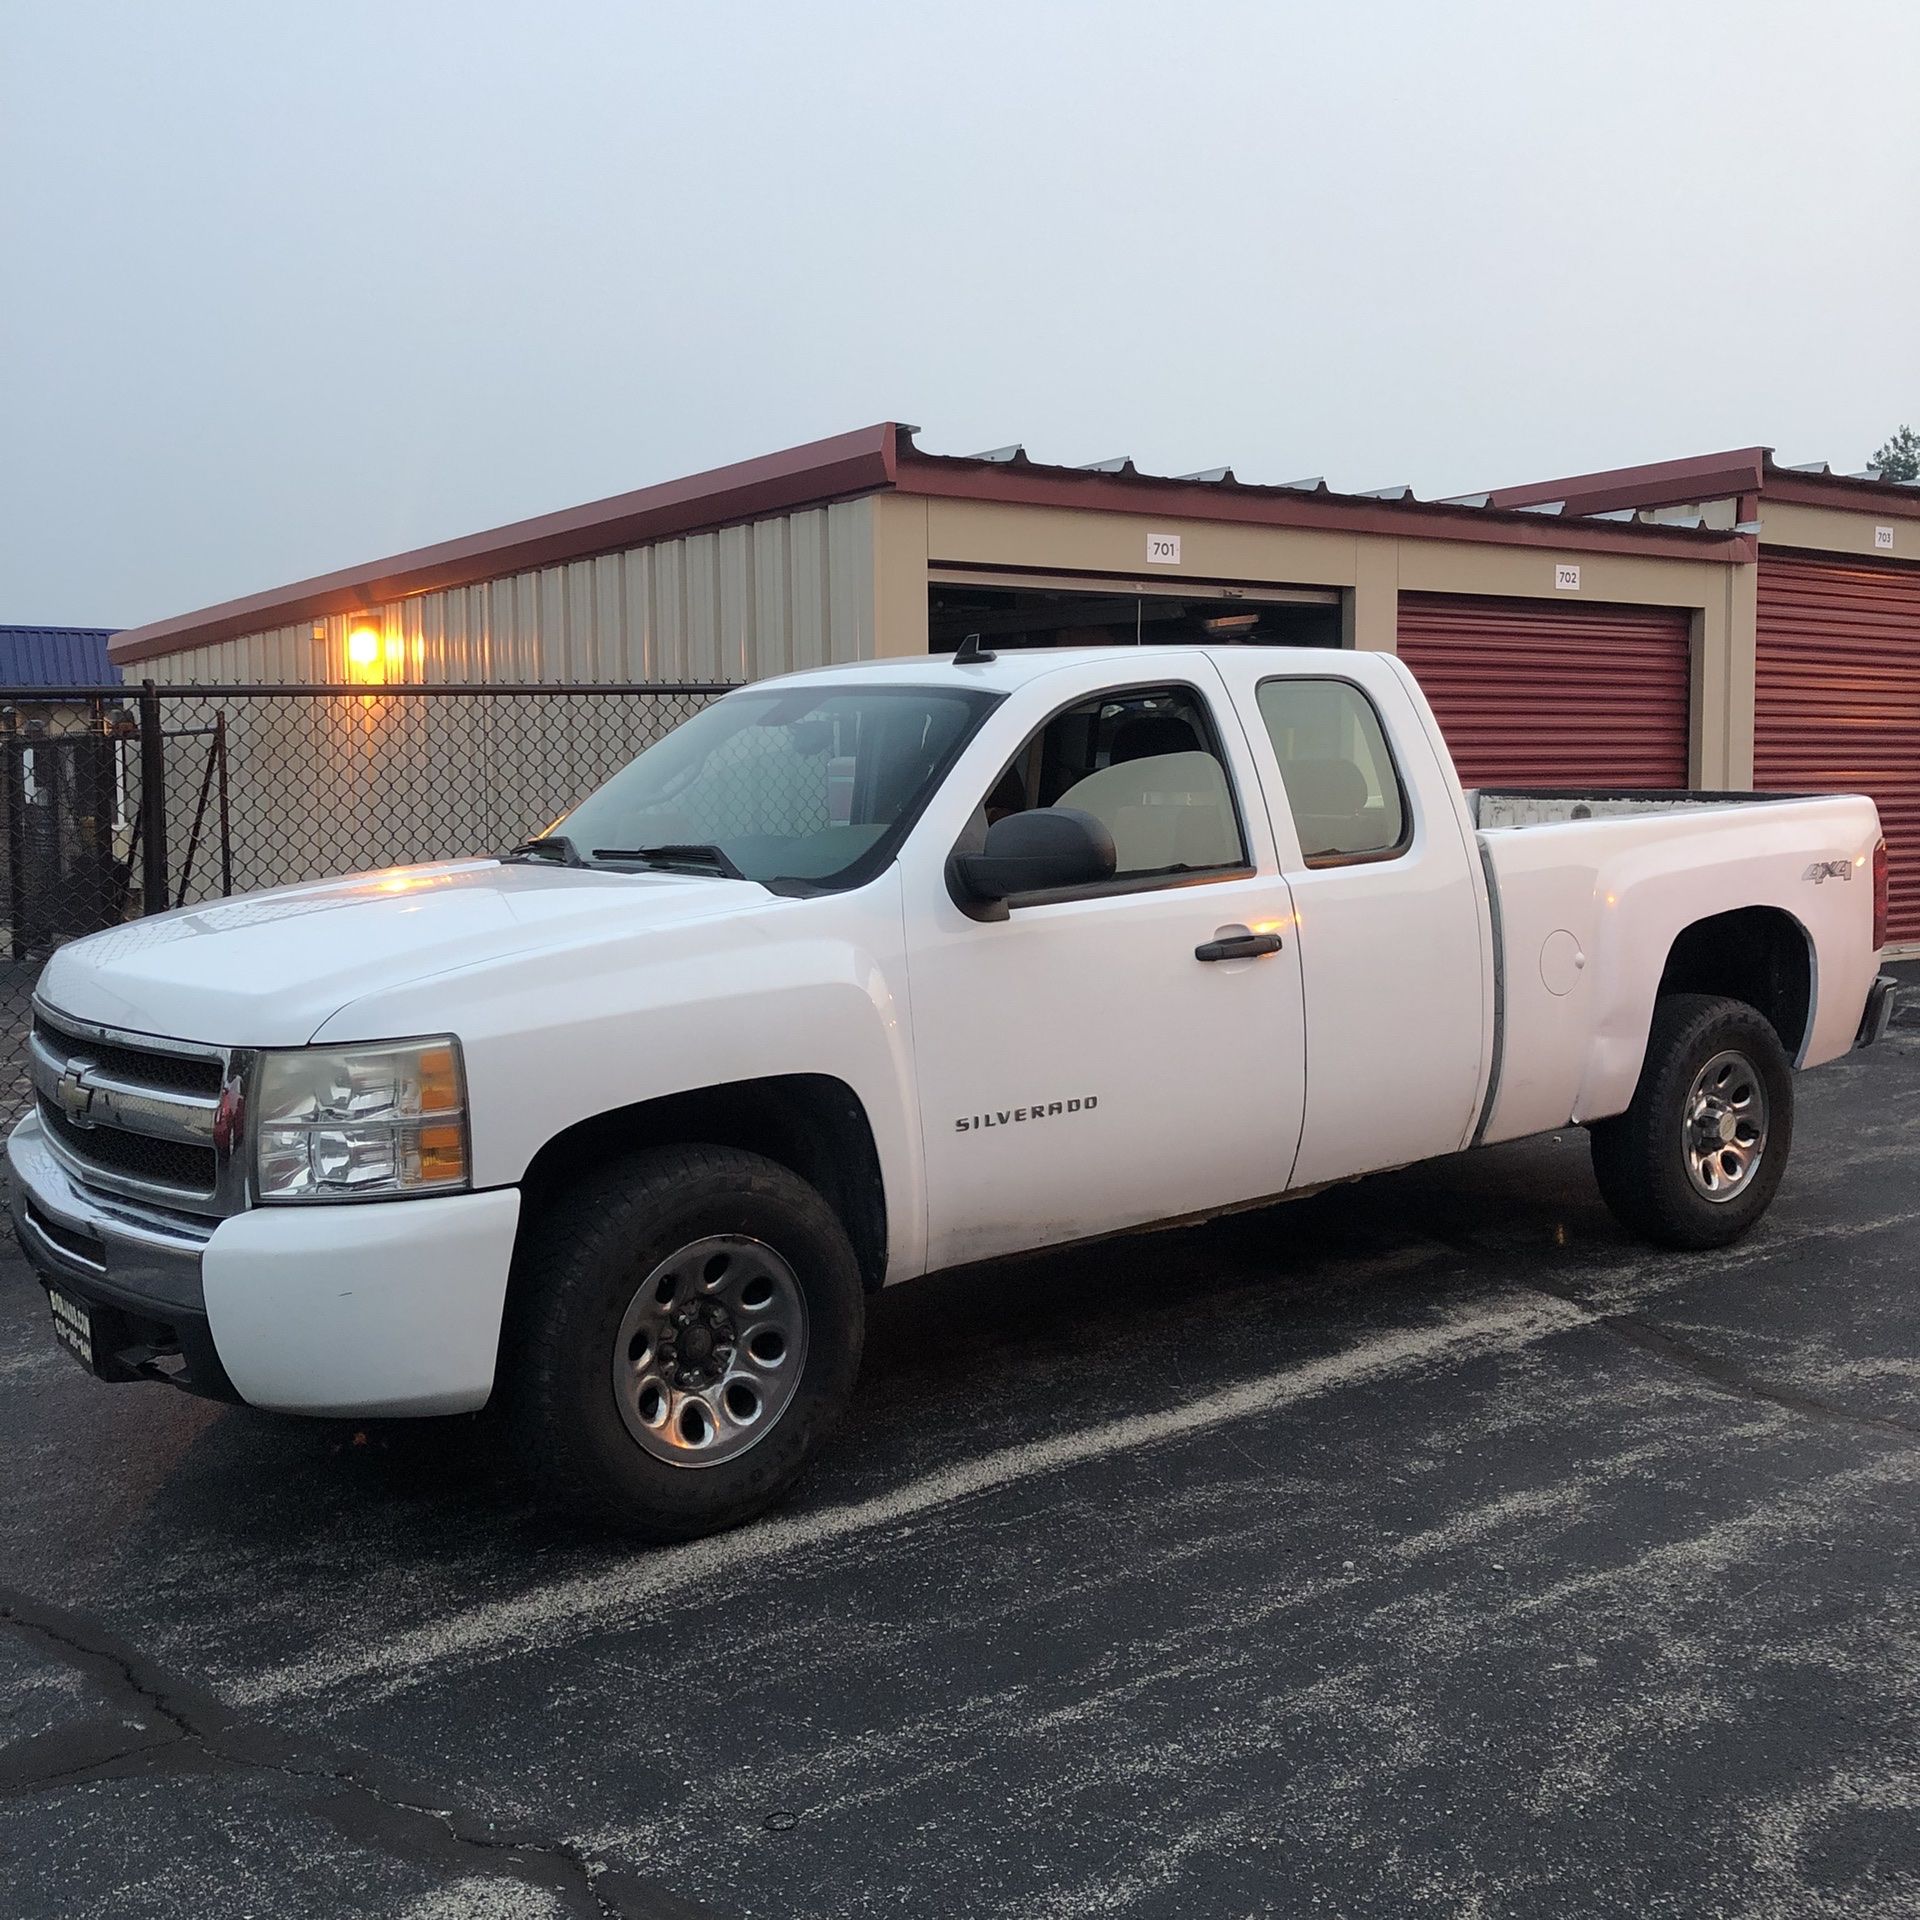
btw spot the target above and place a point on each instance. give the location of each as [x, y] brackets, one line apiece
[363, 644]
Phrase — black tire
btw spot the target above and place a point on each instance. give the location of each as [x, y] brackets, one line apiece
[583, 1261]
[1640, 1158]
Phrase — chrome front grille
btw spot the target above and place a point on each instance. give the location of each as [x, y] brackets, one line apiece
[135, 1115]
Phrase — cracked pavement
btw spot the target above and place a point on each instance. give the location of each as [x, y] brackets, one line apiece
[1424, 1548]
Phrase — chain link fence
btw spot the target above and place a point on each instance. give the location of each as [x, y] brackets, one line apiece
[117, 805]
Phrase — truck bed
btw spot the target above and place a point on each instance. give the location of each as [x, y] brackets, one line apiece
[1587, 890]
[1497, 807]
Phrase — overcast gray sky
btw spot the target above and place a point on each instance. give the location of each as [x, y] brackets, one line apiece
[289, 287]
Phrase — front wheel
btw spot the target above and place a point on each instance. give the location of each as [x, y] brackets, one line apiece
[1697, 1158]
[687, 1324]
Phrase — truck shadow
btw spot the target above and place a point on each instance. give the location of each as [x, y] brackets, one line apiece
[967, 1360]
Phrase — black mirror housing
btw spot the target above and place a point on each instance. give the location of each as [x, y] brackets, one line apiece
[1039, 851]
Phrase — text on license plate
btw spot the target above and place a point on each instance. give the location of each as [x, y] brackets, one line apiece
[74, 1327]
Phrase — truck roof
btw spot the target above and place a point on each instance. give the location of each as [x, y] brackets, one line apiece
[1016, 666]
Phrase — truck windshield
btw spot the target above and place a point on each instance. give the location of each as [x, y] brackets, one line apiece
[801, 788]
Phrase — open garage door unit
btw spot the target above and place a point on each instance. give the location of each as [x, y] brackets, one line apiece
[1037, 612]
[1837, 699]
[1533, 693]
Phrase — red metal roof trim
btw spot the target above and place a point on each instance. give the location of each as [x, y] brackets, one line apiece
[1018, 481]
[1662, 483]
[1746, 474]
[1897, 499]
[811, 475]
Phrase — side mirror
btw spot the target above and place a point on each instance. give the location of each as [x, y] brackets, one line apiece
[1039, 851]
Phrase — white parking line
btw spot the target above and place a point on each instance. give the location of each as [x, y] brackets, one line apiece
[567, 1608]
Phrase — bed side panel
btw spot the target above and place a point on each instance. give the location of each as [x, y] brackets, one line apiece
[1590, 911]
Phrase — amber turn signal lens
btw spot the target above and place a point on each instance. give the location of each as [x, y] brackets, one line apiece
[443, 1154]
[439, 1081]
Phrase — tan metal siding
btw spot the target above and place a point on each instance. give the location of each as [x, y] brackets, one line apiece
[1837, 699]
[738, 604]
[1532, 693]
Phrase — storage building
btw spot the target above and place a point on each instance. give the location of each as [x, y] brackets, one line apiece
[1713, 623]
[1596, 642]
[1827, 634]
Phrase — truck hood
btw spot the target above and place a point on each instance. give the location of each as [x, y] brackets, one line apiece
[269, 969]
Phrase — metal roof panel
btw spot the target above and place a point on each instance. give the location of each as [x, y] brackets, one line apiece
[57, 657]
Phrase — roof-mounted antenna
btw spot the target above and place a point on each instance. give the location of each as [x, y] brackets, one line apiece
[970, 653]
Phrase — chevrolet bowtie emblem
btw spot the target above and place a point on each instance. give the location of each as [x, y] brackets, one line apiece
[73, 1094]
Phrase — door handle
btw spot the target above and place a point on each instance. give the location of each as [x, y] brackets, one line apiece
[1239, 946]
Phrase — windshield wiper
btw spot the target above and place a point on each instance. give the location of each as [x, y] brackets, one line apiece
[685, 856]
[547, 846]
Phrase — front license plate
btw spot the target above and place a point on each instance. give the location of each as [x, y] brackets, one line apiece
[73, 1327]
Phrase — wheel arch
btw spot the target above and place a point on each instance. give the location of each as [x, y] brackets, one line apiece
[1761, 955]
[812, 1124]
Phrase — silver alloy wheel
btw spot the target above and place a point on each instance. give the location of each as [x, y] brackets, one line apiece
[1725, 1126]
[710, 1350]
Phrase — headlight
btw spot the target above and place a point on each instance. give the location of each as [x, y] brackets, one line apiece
[337, 1123]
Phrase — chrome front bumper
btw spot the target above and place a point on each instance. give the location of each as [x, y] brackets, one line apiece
[106, 1248]
[138, 1276]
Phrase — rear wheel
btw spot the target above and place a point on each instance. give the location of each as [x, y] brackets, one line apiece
[687, 1324]
[1697, 1158]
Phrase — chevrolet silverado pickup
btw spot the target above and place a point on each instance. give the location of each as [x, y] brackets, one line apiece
[876, 970]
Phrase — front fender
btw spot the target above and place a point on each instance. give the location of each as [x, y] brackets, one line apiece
[806, 986]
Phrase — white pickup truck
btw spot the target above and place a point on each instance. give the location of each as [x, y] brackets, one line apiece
[877, 970]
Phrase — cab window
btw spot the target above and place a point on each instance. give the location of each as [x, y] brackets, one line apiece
[1343, 789]
[1147, 765]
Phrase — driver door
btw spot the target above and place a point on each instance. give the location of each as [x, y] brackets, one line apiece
[1081, 1066]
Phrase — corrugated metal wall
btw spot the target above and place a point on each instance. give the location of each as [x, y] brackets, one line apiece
[1533, 693]
[1837, 699]
[793, 591]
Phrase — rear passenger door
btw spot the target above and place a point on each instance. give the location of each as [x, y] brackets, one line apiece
[1087, 1062]
[1385, 888]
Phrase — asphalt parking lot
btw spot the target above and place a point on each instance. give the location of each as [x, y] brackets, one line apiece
[1425, 1548]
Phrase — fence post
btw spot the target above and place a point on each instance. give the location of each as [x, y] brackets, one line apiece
[226, 841]
[16, 837]
[153, 802]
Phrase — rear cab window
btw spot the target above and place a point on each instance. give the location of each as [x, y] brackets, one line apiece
[1348, 802]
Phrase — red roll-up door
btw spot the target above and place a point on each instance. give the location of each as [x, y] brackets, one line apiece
[1837, 698]
[1533, 693]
